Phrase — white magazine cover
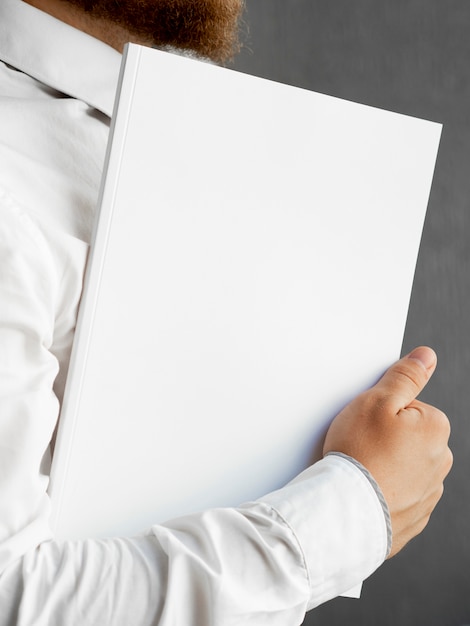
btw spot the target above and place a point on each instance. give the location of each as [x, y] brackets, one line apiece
[250, 273]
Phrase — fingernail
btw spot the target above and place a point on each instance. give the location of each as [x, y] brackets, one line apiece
[425, 356]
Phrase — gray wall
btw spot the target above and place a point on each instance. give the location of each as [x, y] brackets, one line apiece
[413, 57]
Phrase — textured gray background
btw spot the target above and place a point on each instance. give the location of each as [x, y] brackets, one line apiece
[413, 57]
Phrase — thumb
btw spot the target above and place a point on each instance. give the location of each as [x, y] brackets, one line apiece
[404, 380]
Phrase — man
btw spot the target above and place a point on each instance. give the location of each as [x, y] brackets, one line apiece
[264, 562]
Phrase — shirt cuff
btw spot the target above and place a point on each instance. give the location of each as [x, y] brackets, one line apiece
[378, 491]
[339, 520]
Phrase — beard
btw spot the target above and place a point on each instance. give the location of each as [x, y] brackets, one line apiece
[210, 28]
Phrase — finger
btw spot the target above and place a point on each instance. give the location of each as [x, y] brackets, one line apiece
[405, 380]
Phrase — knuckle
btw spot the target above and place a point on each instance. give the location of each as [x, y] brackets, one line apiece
[439, 493]
[431, 502]
[425, 521]
[409, 374]
[442, 423]
[445, 421]
[449, 461]
[436, 419]
[421, 521]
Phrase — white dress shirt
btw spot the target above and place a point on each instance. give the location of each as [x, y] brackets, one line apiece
[266, 562]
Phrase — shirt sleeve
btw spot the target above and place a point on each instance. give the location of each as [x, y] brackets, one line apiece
[265, 562]
[41, 273]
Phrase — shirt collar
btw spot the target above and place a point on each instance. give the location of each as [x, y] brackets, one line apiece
[58, 55]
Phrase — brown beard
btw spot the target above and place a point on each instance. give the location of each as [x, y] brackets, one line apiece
[208, 27]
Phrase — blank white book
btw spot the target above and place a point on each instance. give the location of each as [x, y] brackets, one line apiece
[250, 273]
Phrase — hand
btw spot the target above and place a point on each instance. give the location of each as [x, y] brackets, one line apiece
[401, 441]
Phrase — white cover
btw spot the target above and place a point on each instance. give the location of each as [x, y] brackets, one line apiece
[251, 272]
